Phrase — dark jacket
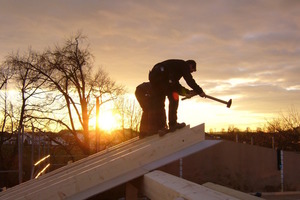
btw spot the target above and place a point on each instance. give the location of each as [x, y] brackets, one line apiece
[143, 94]
[174, 70]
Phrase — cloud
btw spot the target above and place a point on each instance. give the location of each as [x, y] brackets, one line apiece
[248, 50]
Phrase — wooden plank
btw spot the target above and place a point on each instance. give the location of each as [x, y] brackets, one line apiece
[231, 192]
[106, 170]
[69, 167]
[73, 166]
[98, 158]
[158, 185]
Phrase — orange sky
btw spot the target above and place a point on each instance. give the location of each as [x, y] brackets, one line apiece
[245, 50]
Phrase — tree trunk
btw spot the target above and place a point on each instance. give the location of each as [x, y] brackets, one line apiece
[85, 125]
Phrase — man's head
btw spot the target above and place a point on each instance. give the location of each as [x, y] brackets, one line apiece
[192, 64]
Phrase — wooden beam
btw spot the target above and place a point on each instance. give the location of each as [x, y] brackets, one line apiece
[159, 185]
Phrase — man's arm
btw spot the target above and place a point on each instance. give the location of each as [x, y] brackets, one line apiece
[183, 91]
[192, 83]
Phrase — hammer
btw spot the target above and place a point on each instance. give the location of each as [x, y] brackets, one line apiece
[228, 103]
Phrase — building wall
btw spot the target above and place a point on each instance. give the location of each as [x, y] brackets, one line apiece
[243, 167]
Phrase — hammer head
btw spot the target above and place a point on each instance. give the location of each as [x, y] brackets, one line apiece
[229, 103]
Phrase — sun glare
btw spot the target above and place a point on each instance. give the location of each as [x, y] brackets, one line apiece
[107, 121]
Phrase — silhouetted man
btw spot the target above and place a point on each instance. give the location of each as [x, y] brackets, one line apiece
[164, 79]
[153, 116]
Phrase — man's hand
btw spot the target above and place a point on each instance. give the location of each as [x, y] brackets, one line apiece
[202, 95]
[190, 94]
[193, 93]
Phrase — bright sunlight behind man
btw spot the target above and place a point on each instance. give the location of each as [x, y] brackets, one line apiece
[107, 121]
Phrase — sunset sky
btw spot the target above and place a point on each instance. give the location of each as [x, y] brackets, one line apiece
[245, 50]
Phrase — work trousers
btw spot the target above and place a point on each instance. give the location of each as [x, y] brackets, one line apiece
[153, 115]
[163, 86]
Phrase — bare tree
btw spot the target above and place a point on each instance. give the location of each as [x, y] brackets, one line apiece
[286, 129]
[130, 113]
[5, 75]
[28, 82]
[56, 87]
[289, 121]
[69, 69]
[134, 113]
[65, 84]
[7, 120]
[105, 90]
[292, 120]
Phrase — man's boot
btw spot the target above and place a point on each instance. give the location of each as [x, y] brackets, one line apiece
[174, 127]
[162, 132]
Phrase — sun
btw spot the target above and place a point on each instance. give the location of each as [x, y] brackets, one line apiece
[107, 121]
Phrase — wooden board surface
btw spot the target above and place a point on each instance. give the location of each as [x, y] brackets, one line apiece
[112, 167]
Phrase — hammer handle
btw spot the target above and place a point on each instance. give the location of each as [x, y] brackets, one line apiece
[216, 99]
